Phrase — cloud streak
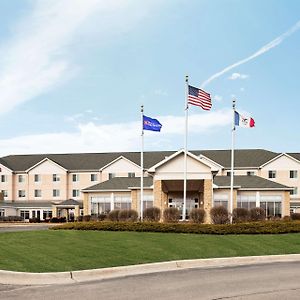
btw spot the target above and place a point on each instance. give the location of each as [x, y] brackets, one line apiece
[259, 52]
[38, 57]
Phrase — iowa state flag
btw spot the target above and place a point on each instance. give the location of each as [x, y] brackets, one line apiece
[243, 121]
[151, 124]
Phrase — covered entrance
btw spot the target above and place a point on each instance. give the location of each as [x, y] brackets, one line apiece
[70, 209]
[174, 191]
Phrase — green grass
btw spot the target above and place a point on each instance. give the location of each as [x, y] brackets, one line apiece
[51, 251]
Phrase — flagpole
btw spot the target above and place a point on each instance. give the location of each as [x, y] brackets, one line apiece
[232, 158]
[142, 162]
[186, 108]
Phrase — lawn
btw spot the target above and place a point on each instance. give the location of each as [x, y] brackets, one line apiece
[50, 251]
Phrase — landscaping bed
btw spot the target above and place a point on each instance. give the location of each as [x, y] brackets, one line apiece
[263, 227]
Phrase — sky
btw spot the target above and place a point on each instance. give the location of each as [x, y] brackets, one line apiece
[74, 74]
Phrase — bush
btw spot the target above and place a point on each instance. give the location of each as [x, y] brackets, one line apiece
[262, 227]
[152, 214]
[197, 215]
[219, 215]
[79, 219]
[257, 214]
[113, 215]
[11, 219]
[86, 218]
[102, 217]
[128, 215]
[34, 220]
[295, 216]
[58, 220]
[240, 215]
[171, 215]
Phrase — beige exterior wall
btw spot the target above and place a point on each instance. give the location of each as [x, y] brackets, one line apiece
[120, 168]
[8, 184]
[239, 172]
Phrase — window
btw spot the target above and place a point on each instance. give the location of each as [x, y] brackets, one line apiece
[37, 178]
[221, 200]
[21, 193]
[246, 201]
[294, 191]
[293, 174]
[147, 201]
[122, 203]
[3, 178]
[250, 173]
[75, 193]
[24, 214]
[111, 175]
[272, 174]
[56, 177]
[21, 178]
[47, 214]
[2, 212]
[131, 174]
[94, 177]
[228, 173]
[37, 193]
[5, 193]
[56, 193]
[100, 205]
[272, 205]
[75, 177]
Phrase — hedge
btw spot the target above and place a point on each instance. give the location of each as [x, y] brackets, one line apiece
[266, 227]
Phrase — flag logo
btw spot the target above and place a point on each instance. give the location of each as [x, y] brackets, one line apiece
[243, 121]
[199, 97]
[151, 124]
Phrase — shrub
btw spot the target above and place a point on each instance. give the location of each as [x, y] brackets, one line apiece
[257, 214]
[171, 215]
[113, 215]
[128, 215]
[79, 218]
[197, 215]
[102, 217]
[262, 227]
[86, 218]
[58, 220]
[34, 220]
[11, 219]
[287, 218]
[240, 215]
[219, 215]
[295, 216]
[152, 214]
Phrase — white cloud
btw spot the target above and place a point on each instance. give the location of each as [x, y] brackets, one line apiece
[91, 137]
[38, 57]
[235, 76]
[218, 98]
[259, 52]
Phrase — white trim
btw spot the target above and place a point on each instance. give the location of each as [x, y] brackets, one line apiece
[42, 161]
[212, 161]
[115, 160]
[1, 165]
[109, 190]
[197, 158]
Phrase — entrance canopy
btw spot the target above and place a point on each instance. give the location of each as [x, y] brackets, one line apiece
[177, 185]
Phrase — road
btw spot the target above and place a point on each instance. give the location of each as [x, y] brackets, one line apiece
[269, 281]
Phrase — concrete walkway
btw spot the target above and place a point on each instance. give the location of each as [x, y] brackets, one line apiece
[22, 278]
[4, 227]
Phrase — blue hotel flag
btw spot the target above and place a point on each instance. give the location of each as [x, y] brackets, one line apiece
[151, 124]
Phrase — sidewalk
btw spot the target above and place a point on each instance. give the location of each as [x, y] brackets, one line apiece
[22, 278]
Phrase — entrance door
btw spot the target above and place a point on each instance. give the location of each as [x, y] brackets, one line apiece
[191, 202]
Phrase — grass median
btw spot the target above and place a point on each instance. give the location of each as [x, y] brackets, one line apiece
[56, 251]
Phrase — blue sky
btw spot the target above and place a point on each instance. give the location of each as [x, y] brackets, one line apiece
[74, 73]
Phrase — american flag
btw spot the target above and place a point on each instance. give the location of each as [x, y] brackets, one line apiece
[199, 97]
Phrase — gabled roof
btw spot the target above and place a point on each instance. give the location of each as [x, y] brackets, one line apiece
[120, 184]
[167, 159]
[295, 155]
[245, 158]
[42, 161]
[278, 156]
[246, 182]
[117, 159]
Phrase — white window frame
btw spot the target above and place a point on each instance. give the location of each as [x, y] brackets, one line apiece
[37, 178]
[293, 174]
[76, 193]
[21, 193]
[21, 178]
[3, 178]
[94, 177]
[75, 177]
[272, 174]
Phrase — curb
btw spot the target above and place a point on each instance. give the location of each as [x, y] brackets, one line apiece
[24, 278]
